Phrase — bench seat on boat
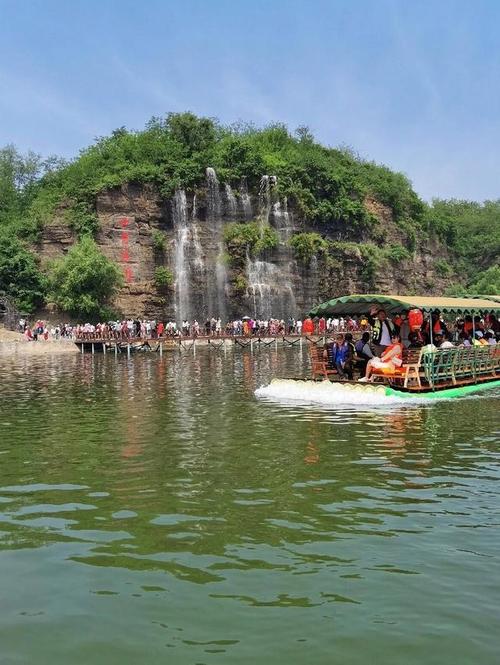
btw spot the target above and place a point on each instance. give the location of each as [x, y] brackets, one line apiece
[319, 366]
[410, 371]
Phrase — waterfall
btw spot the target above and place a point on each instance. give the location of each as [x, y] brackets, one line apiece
[268, 289]
[182, 289]
[217, 304]
[214, 201]
[232, 204]
[245, 199]
[282, 221]
[267, 183]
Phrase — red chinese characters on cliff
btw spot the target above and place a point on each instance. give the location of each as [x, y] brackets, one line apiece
[124, 251]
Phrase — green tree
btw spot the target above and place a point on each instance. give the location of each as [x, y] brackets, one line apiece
[83, 282]
[20, 276]
[487, 282]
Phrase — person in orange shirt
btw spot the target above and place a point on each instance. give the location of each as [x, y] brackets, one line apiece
[391, 358]
[308, 326]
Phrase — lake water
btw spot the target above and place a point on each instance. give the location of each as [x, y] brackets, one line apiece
[153, 510]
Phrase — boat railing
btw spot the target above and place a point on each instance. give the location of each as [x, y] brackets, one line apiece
[460, 365]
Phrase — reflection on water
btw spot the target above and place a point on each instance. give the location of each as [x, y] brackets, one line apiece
[152, 508]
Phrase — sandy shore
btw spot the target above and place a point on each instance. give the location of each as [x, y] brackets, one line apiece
[14, 343]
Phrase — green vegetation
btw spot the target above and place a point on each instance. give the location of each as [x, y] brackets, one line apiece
[240, 284]
[159, 241]
[397, 253]
[307, 245]
[163, 277]
[20, 277]
[329, 187]
[443, 268]
[84, 280]
[251, 237]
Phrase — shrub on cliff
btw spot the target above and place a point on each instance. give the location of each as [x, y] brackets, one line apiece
[83, 282]
[251, 237]
[163, 277]
[307, 245]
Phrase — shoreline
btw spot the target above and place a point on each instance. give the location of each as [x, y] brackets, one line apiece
[13, 343]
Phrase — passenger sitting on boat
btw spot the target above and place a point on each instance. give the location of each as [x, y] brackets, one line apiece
[479, 339]
[489, 336]
[340, 357]
[389, 361]
[363, 352]
[415, 341]
[352, 355]
[464, 340]
[468, 325]
[446, 342]
[438, 326]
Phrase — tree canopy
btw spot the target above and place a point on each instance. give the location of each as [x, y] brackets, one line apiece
[83, 282]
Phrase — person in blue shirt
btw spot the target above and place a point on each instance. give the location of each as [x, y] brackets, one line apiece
[340, 356]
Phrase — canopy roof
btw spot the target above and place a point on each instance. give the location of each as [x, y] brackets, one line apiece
[361, 304]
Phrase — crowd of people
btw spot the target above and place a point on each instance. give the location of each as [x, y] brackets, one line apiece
[381, 348]
[378, 333]
[211, 327]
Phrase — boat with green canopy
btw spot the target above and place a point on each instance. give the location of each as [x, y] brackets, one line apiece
[426, 373]
[393, 304]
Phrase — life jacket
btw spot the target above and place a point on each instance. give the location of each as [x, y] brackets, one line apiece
[377, 330]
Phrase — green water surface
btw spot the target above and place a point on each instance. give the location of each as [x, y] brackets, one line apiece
[152, 510]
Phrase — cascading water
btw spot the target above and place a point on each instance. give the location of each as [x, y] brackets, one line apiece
[245, 199]
[266, 183]
[231, 202]
[282, 220]
[271, 295]
[198, 256]
[217, 304]
[182, 289]
[214, 200]
[270, 283]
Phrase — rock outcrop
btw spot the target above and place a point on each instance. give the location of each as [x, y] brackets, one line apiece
[142, 231]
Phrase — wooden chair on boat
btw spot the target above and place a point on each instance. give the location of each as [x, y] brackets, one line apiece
[410, 371]
[319, 366]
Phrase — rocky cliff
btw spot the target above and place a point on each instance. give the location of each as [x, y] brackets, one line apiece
[142, 231]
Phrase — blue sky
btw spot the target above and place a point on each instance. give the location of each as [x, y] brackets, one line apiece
[409, 83]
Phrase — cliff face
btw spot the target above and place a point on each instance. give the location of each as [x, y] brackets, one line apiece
[142, 231]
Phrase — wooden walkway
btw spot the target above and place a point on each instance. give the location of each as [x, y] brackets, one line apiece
[116, 343]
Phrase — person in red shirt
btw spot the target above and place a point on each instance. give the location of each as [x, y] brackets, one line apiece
[160, 328]
[308, 326]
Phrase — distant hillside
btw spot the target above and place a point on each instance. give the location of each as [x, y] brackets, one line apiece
[247, 206]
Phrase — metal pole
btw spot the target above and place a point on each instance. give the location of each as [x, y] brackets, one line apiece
[104, 348]
[431, 325]
[116, 348]
[161, 349]
[92, 348]
[128, 350]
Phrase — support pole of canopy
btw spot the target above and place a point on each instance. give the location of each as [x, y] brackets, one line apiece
[431, 326]
[473, 345]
